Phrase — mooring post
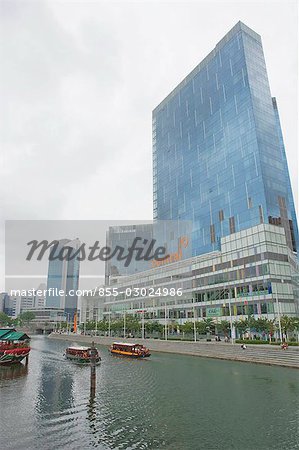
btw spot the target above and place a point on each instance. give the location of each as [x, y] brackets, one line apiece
[92, 369]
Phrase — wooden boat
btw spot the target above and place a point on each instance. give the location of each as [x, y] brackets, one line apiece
[11, 353]
[81, 355]
[132, 350]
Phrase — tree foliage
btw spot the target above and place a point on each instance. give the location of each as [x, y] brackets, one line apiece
[224, 327]
[5, 320]
[26, 316]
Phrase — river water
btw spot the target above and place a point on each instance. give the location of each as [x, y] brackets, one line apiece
[164, 402]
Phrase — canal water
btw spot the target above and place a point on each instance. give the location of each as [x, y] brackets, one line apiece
[164, 402]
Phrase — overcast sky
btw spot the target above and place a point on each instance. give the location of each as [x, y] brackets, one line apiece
[78, 84]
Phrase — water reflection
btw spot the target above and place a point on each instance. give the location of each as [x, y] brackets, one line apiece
[92, 412]
[166, 402]
[13, 371]
[55, 391]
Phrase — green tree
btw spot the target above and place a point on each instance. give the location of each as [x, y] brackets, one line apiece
[242, 325]
[26, 317]
[296, 323]
[173, 326]
[201, 327]
[117, 325]
[288, 324]
[272, 328]
[224, 327]
[153, 327]
[103, 325]
[210, 325]
[90, 325]
[5, 320]
[262, 325]
[188, 327]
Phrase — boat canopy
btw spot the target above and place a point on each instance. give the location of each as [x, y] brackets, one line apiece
[4, 331]
[126, 344]
[15, 336]
[79, 348]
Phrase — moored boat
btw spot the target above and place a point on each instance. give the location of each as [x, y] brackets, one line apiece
[132, 350]
[14, 346]
[82, 355]
[13, 354]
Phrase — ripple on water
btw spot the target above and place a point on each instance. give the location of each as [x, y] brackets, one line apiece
[165, 402]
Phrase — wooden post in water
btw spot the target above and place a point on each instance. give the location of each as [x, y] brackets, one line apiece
[92, 369]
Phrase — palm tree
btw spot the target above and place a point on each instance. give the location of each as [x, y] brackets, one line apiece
[272, 328]
[241, 325]
[201, 327]
[288, 324]
[224, 327]
[262, 325]
[210, 325]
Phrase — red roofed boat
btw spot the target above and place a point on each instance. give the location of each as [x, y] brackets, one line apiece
[126, 349]
[14, 346]
[82, 355]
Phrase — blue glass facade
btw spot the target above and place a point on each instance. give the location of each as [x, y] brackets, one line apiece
[63, 275]
[167, 234]
[218, 153]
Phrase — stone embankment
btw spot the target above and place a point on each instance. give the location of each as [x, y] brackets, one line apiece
[262, 354]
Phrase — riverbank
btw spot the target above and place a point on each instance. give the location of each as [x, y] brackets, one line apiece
[260, 354]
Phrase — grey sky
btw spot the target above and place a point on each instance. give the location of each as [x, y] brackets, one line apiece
[79, 81]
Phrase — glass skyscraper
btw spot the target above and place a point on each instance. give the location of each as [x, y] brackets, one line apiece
[63, 275]
[218, 152]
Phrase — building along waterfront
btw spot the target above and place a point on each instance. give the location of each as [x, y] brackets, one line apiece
[218, 152]
[253, 274]
[219, 162]
[63, 278]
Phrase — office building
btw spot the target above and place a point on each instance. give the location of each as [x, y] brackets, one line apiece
[63, 278]
[219, 161]
[173, 235]
[218, 152]
[255, 273]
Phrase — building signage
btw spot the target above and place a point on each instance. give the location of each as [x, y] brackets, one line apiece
[173, 257]
[214, 312]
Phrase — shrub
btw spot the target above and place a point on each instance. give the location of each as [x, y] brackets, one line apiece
[250, 341]
[291, 344]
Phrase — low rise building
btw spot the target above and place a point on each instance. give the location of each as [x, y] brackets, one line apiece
[254, 273]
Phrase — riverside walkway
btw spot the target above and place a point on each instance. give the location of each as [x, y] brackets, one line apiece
[261, 354]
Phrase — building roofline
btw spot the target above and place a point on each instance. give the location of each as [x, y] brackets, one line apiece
[240, 26]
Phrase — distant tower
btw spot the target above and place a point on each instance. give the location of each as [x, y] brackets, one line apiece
[63, 275]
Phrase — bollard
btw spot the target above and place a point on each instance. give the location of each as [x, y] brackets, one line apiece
[92, 369]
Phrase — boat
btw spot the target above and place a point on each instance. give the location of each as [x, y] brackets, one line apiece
[132, 350]
[82, 355]
[14, 346]
[11, 353]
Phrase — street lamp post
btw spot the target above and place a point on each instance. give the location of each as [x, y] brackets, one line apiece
[230, 318]
[278, 314]
[278, 308]
[124, 324]
[194, 324]
[165, 329]
[143, 321]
